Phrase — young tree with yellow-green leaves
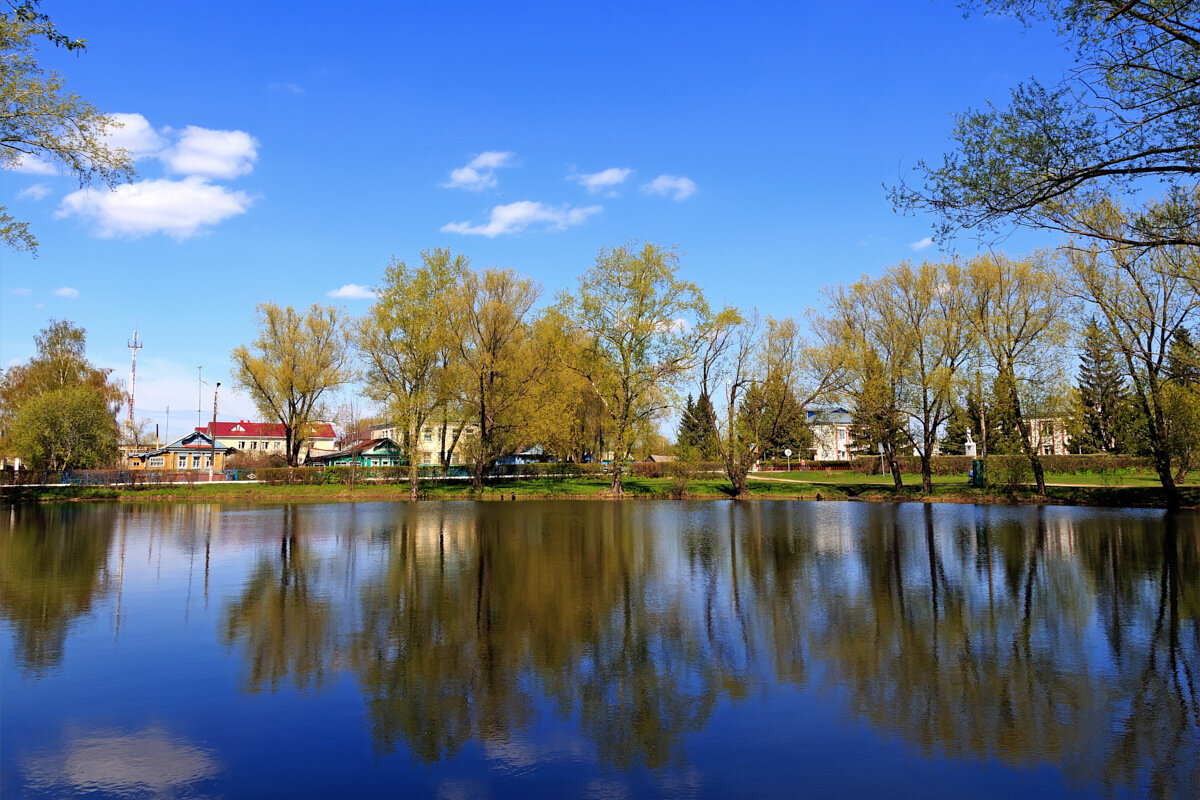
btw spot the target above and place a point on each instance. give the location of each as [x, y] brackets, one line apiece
[404, 340]
[759, 375]
[633, 323]
[288, 369]
[859, 334]
[1022, 322]
[501, 361]
[44, 122]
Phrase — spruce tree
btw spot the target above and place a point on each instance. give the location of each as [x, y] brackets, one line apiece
[1102, 393]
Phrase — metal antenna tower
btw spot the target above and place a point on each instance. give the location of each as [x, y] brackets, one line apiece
[134, 345]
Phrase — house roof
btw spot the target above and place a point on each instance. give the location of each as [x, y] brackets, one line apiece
[259, 430]
[358, 448]
[194, 442]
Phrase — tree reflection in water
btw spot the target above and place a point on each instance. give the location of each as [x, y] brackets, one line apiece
[52, 569]
[281, 622]
[1025, 635]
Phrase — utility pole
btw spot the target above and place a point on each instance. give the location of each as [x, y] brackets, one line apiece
[212, 459]
[134, 345]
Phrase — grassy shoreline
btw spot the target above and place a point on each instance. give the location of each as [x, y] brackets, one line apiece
[865, 490]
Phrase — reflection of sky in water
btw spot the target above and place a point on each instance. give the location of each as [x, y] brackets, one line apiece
[146, 762]
[633, 650]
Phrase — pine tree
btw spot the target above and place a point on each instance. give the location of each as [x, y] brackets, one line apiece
[1102, 393]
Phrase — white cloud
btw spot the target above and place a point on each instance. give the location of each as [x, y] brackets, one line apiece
[605, 179]
[921, 244]
[32, 165]
[287, 86]
[211, 153]
[21, 291]
[677, 186]
[177, 208]
[352, 291]
[135, 134]
[516, 217]
[66, 291]
[480, 173]
[37, 191]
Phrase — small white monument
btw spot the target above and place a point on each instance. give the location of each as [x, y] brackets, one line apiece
[969, 446]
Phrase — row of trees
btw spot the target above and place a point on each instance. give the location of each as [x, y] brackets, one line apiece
[447, 347]
[921, 354]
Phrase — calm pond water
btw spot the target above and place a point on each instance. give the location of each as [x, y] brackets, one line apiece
[598, 650]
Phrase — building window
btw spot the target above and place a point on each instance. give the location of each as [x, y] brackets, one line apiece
[428, 435]
[242, 445]
[254, 445]
[278, 445]
[157, 461]
[197, 460]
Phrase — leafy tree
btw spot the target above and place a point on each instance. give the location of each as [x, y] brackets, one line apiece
[287, 370]
[59, 363]
[744, 361]
[1125, 113]
[404, 339]
[1017, 310]
[1144, 300]
[632, 320]
[871, 381]
[69, 428]
[43, 121]
[501, 362]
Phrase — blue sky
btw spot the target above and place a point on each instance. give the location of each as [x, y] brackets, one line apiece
[288, 150]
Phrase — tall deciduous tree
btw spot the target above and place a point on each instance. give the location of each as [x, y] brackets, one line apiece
[291, 365]
[927, 306]
[1145, 300]
[404, 339]
[859, 337]
[502, 362]
[1021, 322]
[1125, 113]
[43, 121]
[756, 373]
[634, 319]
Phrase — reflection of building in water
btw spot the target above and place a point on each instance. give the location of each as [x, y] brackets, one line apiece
[149, 761]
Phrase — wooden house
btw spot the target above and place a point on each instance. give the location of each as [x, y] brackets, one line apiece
[191, 452]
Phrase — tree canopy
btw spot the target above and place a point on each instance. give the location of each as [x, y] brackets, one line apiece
[295, 360]
[1128, 111]
[43, 121]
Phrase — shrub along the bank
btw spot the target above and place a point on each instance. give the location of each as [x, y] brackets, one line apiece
[961, 465]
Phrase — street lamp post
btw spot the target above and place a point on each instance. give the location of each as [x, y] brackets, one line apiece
[788, 453]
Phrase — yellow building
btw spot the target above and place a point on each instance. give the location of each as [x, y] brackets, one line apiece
[193, 452]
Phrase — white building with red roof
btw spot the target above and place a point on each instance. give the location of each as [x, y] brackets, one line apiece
[269, 437]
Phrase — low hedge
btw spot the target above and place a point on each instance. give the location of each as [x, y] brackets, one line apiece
[961, 465]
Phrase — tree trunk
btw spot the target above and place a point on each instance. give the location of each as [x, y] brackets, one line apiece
[1162, 465]
[616, 487]
[927, 470]
[894, 466]
[1023, 431]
